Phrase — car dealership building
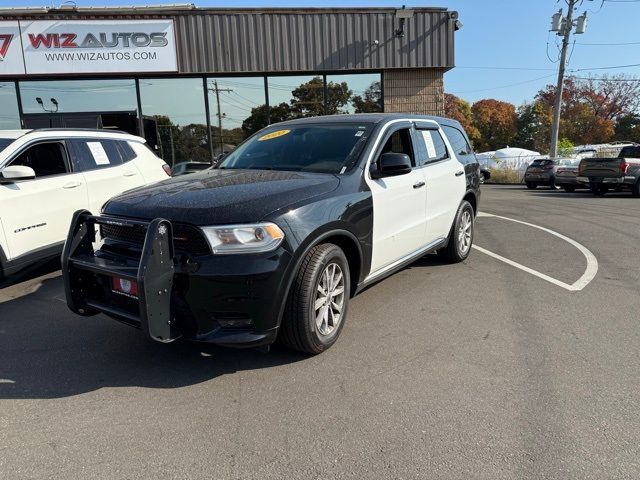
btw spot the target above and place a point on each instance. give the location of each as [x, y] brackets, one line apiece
[196, 81]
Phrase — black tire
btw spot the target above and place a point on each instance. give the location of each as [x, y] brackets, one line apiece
[636, 189]
[531, 185]
[552, 184]
[454, 252]
[299, 330]
[598, 190]
[569, 189]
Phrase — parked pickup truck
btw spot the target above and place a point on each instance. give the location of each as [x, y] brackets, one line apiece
[620, 173]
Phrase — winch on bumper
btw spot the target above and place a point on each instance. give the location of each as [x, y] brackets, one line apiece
[233, 300]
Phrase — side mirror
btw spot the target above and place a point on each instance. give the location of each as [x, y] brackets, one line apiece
[391, 164]
[16, 172]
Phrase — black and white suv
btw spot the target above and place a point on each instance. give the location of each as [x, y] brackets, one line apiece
[275, 241]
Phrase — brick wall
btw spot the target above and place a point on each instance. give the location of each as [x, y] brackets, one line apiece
[419, 90]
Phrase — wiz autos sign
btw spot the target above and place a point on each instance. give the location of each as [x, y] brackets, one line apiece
[97, 46]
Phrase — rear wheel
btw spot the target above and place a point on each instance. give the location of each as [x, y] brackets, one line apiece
[531, 185]
[598, 190]
[318, 301]
[461, 236]
[569, 189]
[636, 189]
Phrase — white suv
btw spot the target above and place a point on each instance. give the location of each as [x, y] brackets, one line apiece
[46, 175]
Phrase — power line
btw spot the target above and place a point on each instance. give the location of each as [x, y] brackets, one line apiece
[605, 68]
[609, 44]
[506, 86]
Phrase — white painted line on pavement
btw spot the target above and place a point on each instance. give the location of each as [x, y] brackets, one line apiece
[588, 275]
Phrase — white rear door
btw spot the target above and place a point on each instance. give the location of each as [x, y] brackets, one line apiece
[444, 177]
[105, 169]
[36, 214]
[399, 204]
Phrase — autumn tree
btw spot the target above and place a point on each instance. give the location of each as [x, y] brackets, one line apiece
[370, 101]
[628, 128]
[496, 122]
[460, 110]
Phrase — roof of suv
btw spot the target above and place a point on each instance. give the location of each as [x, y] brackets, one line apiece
[369, 118]
[69, 132]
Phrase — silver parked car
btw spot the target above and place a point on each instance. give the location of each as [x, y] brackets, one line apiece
[567, 174]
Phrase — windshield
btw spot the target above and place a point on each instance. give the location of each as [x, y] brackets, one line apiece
[5, 142]
[541, 163]
[323, 148]
[568, 162]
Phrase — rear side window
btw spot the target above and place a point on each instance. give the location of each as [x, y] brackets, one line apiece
[126, 151]
[431, 146]
[457, 140]
[96, 153]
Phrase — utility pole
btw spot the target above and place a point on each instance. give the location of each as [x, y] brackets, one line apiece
[217, 91]
[563, 26]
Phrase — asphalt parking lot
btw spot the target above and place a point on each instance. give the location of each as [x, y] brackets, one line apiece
[477, 370]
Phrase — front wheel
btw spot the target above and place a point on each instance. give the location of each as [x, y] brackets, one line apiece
[569, 189]
[531, 185]
[461, 236]
[317, 304]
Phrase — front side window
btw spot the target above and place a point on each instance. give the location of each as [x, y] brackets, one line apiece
[94, 154]
[431, 146]
[400, 142]
[310, 148]
[45, 159]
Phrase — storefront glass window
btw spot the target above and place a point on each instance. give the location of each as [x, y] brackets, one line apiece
[357, 93]
[175, 109]
[294, 97]
[9, 116]
[80, 104]
[69, 96]
[239, 105]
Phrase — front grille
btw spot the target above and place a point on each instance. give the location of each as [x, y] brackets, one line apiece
[186, 238]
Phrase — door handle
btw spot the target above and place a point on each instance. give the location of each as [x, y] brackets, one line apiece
[460, 172]
[418, 185]
[72, 185]
[129, 173]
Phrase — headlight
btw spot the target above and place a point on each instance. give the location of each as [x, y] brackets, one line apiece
[255, 238]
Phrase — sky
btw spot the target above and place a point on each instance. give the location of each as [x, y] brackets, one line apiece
[505, 49]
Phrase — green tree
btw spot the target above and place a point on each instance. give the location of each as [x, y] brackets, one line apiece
[565, 147]
[370, 101]
[258, 118]
[628, 128]
[308, 98]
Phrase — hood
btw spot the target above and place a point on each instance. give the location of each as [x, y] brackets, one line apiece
[219, 197]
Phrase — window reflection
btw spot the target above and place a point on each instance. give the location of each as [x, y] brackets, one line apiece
[364, 93]
[176, 106]
[296, 96]
[238, 106]
[78, 96]
[9, 116]
[80, 104]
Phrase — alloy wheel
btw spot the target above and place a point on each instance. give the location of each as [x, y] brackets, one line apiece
[329, 299]
[465, 231]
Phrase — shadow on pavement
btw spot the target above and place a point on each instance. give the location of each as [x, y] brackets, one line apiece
[48, 352]
[29, 273]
